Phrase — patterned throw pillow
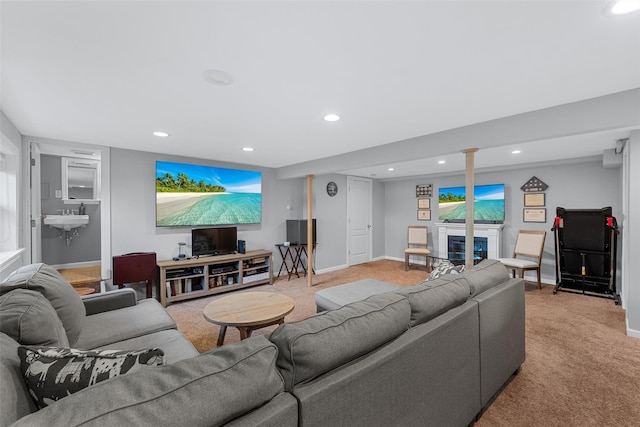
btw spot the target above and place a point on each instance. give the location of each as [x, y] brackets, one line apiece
[52, 373]
[445, 267]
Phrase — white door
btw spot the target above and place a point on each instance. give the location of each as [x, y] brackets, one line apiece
[359, 194]
[36, 214]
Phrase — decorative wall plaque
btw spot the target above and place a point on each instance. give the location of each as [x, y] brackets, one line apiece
[423, 190]
[534, 185]
[424, 203]
[424, 214]
[534, 199]
[534, 215]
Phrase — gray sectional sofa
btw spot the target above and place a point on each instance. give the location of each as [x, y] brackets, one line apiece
[430, 354]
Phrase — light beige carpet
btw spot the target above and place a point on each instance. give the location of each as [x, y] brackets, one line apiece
[580, 369]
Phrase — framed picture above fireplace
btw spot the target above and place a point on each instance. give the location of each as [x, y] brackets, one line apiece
[488, 204]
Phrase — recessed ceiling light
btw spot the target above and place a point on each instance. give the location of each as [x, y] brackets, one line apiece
[516, 152]
[247, 149]
[622, 7]
[331, 117]
[218, 77]
[161, 134]
[390, 169]
[442, 162]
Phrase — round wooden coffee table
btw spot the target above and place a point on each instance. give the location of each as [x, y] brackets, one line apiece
[248, 311]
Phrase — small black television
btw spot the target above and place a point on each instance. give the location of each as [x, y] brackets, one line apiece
[213, 241]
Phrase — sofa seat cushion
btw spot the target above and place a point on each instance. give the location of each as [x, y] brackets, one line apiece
[209, 390]
[316, 345]
[109, 327]
[53, 373]
[432, 298]
[16, 401]
[337, 296]
[50, 283]
[174, 345]
[28, 318]
[485, 275]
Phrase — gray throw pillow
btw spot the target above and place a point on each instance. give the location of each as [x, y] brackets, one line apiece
[28, 318]
[64, 299]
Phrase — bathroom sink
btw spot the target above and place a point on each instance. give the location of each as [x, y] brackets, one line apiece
[66, 222]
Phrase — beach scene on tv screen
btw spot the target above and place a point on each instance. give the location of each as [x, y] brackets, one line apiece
[488, 203]
[191, 195]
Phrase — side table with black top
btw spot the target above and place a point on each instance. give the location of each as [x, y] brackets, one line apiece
[292, 255]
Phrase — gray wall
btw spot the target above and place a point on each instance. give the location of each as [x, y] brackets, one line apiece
[573, 186]
[331, 220]
[133, 207]
[85, 247]
[133, 211]
[331, 217]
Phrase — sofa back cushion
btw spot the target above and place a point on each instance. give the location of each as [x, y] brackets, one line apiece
[211, 389]
[64, 299]
[434, 297]
[316, 345]
[485, 275]
[16, 401]
[28, 318]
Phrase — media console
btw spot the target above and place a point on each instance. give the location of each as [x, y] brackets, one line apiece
[198, 277]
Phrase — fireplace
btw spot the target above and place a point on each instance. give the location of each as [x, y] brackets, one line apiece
[456, 249]
[491, 235]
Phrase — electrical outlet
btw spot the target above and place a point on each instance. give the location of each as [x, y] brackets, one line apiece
[58, 194]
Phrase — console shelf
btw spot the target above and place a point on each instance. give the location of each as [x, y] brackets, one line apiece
[204, 276]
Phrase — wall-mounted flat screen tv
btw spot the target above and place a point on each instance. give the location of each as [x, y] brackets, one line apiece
[195, 195]
[488, 204]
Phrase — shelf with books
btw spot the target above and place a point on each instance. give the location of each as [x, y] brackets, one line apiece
[197, 277]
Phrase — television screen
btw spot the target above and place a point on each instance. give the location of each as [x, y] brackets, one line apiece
[193, 195]
[213, 241]
[488, 203]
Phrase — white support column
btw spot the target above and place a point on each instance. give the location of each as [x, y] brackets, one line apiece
[469, 197]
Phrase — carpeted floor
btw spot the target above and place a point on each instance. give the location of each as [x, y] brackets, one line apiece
[580, 369]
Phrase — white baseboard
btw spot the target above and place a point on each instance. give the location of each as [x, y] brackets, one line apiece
[330, 269]
[632, 332]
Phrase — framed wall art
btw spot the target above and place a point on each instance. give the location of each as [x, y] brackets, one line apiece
[424, 203]
[534, 215]
[534, 199]
[424, 214]
[424, 190]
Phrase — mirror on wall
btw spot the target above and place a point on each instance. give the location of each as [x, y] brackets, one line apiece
[80, 180]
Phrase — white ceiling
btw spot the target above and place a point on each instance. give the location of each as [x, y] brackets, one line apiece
[112, 72]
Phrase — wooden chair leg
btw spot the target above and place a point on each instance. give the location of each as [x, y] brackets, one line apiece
[406, 262]
[539, 281]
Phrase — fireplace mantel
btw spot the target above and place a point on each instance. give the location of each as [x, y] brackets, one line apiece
[493, 233]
